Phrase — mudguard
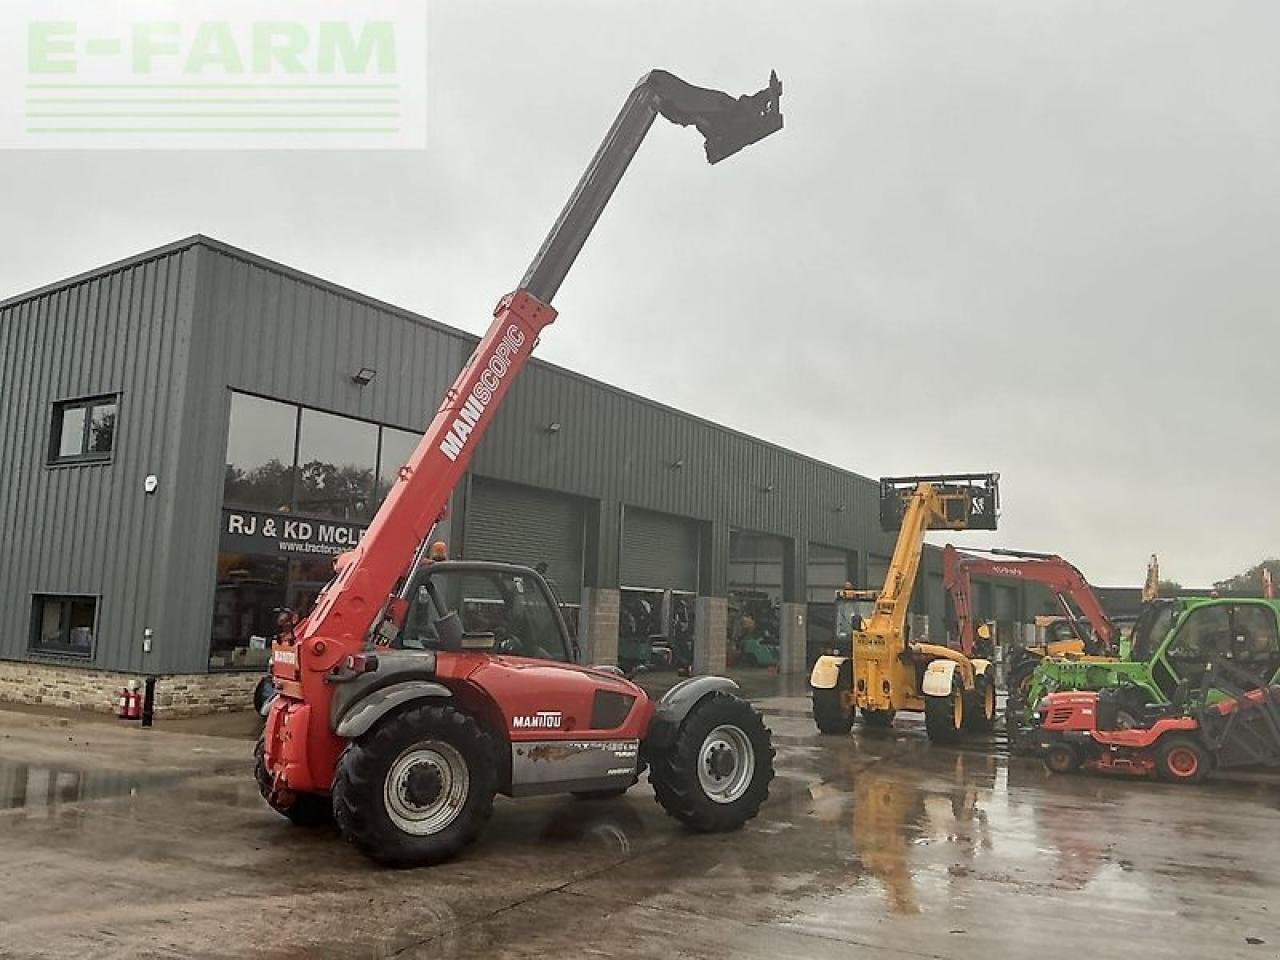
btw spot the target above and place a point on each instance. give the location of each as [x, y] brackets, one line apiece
[938, 677]
[826, 672]
[670, 711]
[362, 715]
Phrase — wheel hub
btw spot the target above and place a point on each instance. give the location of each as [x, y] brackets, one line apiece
[423, 785]
[726, 764]
[721, 761]
[426, 788]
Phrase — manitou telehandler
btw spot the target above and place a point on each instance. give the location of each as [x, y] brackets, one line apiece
[418, 687]
[885, 671]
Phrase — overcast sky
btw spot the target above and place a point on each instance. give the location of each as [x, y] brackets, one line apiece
[1032, 237]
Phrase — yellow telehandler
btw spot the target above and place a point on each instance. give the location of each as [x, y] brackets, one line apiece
[885, 671]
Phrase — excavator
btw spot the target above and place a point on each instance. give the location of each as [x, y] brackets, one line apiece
[1090, 631]
[885, 670]
[418, 687]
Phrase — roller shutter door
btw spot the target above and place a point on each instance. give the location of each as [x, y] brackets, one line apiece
[517, 524]
[659, 551]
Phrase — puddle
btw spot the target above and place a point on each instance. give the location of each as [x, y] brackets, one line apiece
[25, 786]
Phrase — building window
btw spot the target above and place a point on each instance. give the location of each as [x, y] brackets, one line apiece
[261, 446]
[397, 447]
[83, 430]
[282, 458]
[63, 625]
[337, 457]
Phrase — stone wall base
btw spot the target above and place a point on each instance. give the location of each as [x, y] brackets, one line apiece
[710, 630]
[793, 653]
[80, 688]
[598, 625]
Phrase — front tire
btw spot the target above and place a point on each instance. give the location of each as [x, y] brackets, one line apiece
[716, 774]
[829, 711]
[944, 716]
[1182, 760]
[416, 788]
[980, 706]
[302, 809]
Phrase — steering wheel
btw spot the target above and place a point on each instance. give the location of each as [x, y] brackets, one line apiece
[506, 642]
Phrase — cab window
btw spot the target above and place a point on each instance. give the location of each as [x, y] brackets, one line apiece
[504, 612]
[1255, 643]
[1151, 629]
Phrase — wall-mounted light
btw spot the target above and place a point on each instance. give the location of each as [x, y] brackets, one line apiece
[767, 488]
[553, 426]
[364, 376]
[677, 464]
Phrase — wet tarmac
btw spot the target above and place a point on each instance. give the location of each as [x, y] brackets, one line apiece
[129, 843]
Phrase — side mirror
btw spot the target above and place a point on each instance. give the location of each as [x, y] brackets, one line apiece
[449, 631]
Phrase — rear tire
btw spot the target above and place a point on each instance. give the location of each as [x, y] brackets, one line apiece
[416, 788]
[829, 712]
[1062, 758]
[1182, 760]
[877, 719]
[304, 809]
[944, 716]
[716, 773]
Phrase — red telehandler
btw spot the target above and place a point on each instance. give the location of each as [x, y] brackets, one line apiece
[418, 687]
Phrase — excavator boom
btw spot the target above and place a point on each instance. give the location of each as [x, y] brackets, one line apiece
[1067, 583]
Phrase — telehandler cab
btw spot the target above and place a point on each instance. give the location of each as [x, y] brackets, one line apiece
[418, 687]
[885, 671]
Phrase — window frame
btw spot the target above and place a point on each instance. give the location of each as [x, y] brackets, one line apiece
[376, 493]
[86, 456]
[64, 600]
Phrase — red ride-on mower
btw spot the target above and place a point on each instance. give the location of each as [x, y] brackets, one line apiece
[1095, 730]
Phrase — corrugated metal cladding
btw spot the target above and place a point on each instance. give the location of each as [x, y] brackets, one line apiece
[176, 330]
[517, 524]
[659, 551]
[90, 528]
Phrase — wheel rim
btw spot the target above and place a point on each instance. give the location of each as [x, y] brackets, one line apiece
[726, 764]
[1183, 762]
[426, 788]
[957, 710]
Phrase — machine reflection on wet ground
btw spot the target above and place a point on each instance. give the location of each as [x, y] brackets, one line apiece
[157, 845]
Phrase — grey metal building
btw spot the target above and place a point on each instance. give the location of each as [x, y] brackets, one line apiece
[188, 435]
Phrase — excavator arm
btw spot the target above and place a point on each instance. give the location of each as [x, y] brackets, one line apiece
[1067, 583]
